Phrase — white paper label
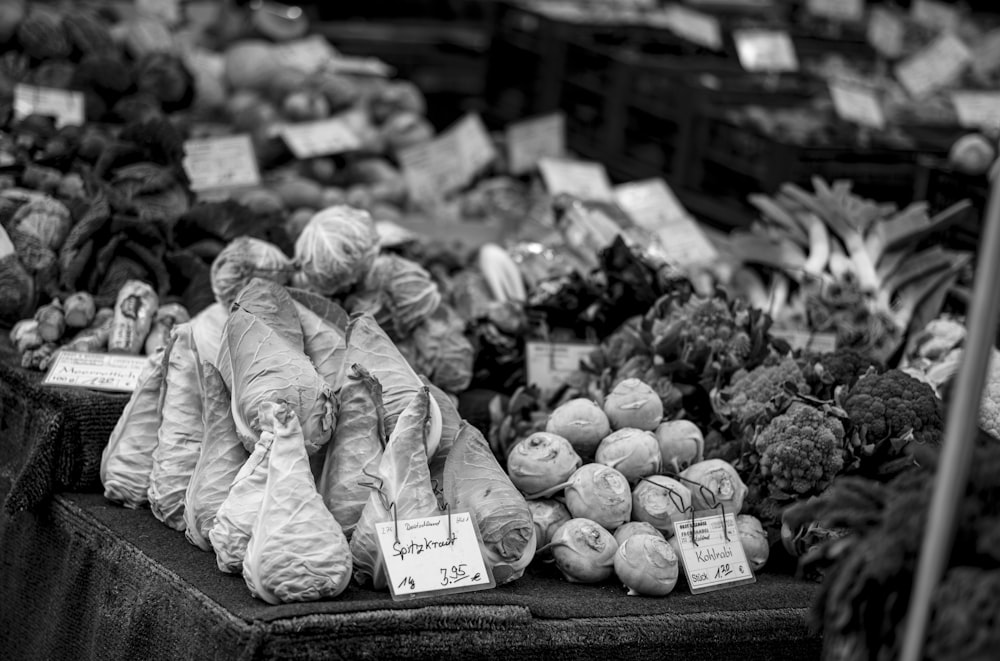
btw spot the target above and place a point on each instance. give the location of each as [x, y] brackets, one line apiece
[432, 556]
[308, 54]
[225, 162]
[713, 555]
[66, 106]
[807, 341]
[695, 26]
[857, 104]
[320, 138]
[533, 139]
[886, 32]
[653, 206]
[100, 371]
[935, 15]
[936, 65]
[549, 364]
[584, 179]
[766, 50]
[976, 109]
[449, 161]
[838, 10]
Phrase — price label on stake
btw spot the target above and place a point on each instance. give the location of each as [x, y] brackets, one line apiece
[886, 32]
[437, 167]
[585, 179]
[223, 162]
[695, 26]
[653, 206]
[935, 15]
[936, 65]
[976, 109]
[99, 371]
[66, 106]
[846, 11]
[531, 140]
[766, 50]
[549, 364]
[799, 339]
[324, 137]
[712, 554]
[857, 104]
[432, 556]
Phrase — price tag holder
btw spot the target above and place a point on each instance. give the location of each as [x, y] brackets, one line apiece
[800, 339]
[222, 162]
[846, 11]
[933, 67]
[653, 206]
[886, 32]
[857, 104]
[98, 371]
[433, 556]
[766, 50]
[938, 16]
[533, 139]
[711, 551]
[584, 179]
[448, 162]
[67, 106]
[324, 137]
[695, 26]
[308, 54]
[549, 364]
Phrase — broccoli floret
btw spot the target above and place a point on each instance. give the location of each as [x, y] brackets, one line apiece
[749, 398]
[837, 368]
[801, 450]
[894, 406]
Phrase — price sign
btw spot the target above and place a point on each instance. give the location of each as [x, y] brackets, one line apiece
[857, 104]
[584, 179]
[765, 50]
[977, 109]
[99, 371]
[448, 162]
[432, 556]
[712, 553]
[308, 54]
[65, 105]
[320, 138]
[933, 67]
[938, 16]
[847, 11]
[886, 32]
[549, 364]
[653, 206]
[807, 341]
[222, 162]
[695, 26]
[531, 140]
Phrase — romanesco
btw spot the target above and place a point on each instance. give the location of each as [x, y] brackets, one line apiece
[749, 398]
[801, 450]
[894, 406]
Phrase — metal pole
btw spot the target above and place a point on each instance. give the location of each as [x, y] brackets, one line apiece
[961, 427]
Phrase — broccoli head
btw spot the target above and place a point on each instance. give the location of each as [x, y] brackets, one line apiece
[748, 400]
[843, 367]
[894, 406]
[801, 450]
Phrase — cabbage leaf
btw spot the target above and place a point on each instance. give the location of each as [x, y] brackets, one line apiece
[236, 516]
[324, 343]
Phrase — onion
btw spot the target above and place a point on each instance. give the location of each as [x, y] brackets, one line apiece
[647, 565]
[599, 493]
[632, 528]
[542, 462]
[681, 444]
[584, 551]
[580, 421]
[634, 452]
[658, 498]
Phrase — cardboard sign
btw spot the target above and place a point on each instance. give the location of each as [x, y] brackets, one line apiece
[66, 106]
[976, 109]
[886, 32]
[223, 162]
[933, 67]
[695, 26]
[765, 50]
[806, 340]
[857, 104]
[653, 206]
[448, 162]
[308, 54]
[847, 11]
[533, 139]
[584, 179]
[713, 555]
[324, 137]
[935, 15]
[549, 364]
[99, 371]
[433, 556]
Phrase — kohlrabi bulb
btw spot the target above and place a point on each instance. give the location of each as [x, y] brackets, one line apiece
[633, 452]
[541, 461]
[582, 422]
[647, 565]
[657, 499]
[599, 493]
[635, 404]
[631, 528]
[584, 551]
[754, 539]
[681, 444]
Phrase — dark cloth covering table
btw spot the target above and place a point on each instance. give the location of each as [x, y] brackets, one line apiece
[84, 579]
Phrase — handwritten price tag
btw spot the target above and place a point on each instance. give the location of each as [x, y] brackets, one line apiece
[442, 165]
[100, 371]
[800, 339]
[432, 556]
[695, 26]
[886, 32]
[935, 15]
[765, 50]
[711, 551]
[936, 65]
[846, 11]
[223, 162]
[653, 206]
[65, 105]
[857, 104]
[320, 138]
[533, 139]
[549, 364]
[584, 179]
